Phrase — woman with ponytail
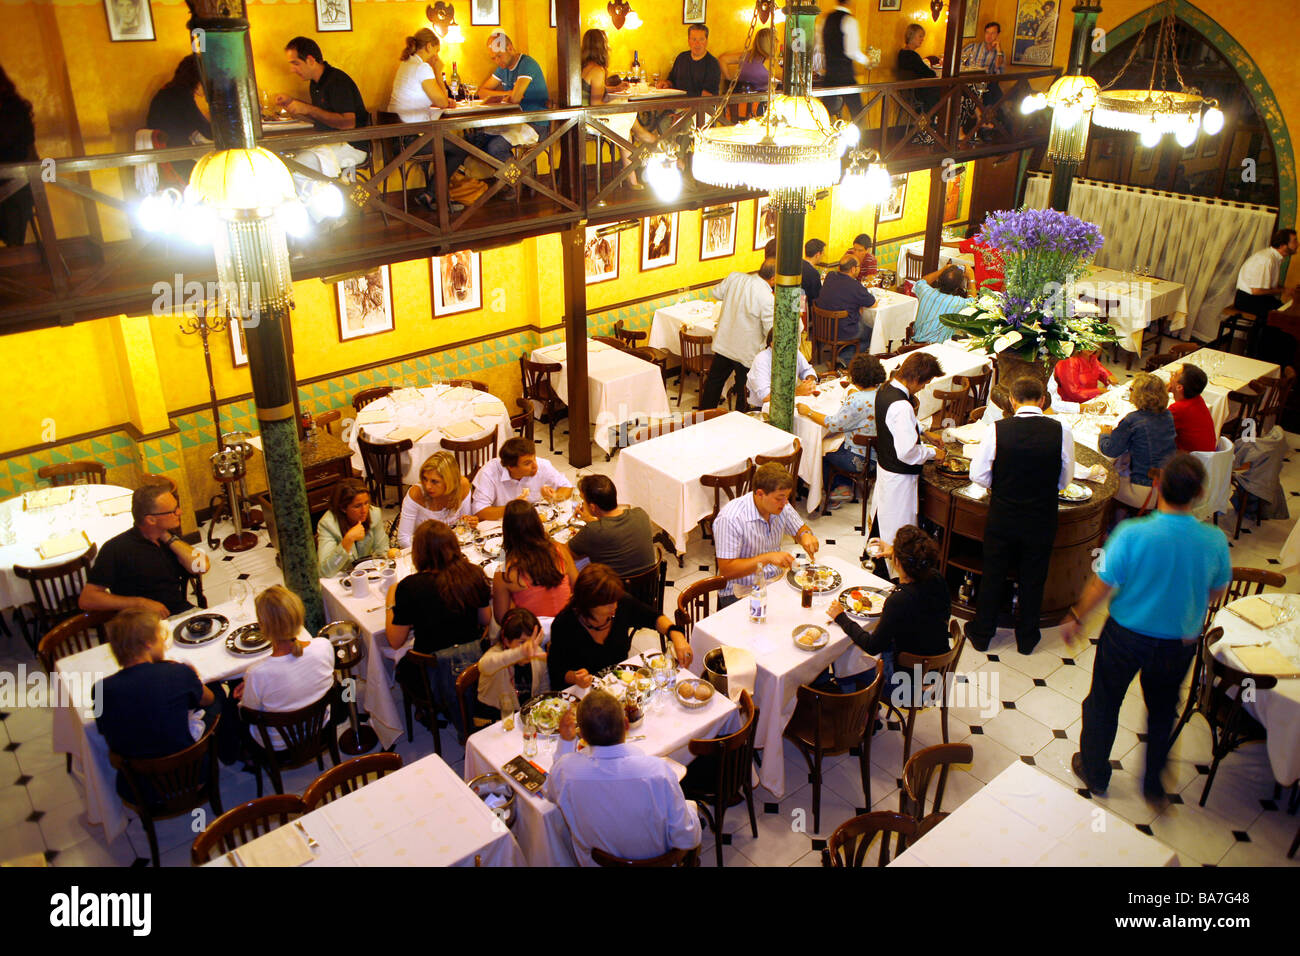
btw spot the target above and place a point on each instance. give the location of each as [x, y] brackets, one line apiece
[418, 89]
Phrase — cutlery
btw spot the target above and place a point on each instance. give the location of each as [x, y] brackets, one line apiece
[637, 737]
[234, 857]
[377, 607]
[311, 842]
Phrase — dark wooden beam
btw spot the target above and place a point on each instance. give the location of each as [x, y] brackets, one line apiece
[573, 241]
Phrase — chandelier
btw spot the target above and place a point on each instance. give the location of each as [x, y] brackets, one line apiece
[1153, 112]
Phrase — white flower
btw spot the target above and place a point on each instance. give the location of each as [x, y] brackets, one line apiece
[970, 310]
[1067, 348]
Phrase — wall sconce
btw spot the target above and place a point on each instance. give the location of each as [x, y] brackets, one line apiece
[442, 17]
[936, 8]
[621, 14]
[764, 10]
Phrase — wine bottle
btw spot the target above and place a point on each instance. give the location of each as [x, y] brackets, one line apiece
[454, 89]
[636, 67]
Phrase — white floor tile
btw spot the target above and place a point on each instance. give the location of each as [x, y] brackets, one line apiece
[1049, 707]
[1018, 732]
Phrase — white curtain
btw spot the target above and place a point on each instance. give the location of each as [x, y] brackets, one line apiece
[1198, 242]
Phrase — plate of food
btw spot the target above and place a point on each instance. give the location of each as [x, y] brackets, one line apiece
[200, 629]
[546, 710]
[626, 673]
[810, 637]
[863, 601]
[247, 640]
[954, 465]
[1075, 492]
[372, 566]
[491, 544]
[818, 577]
[693, 693]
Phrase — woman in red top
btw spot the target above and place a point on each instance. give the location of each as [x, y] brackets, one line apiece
[988, 263]
[1082, 377]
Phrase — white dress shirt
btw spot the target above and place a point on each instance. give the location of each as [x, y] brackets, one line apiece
[621, 800]
[282, 684]
[758, 386]
[1263, 270]
[903, 426]
[849, 30]
[1059, 405]
[494, 488]
[748, 308]
[981, 466]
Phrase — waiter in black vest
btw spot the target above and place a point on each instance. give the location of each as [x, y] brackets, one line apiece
[1024, 461]
[840, 45]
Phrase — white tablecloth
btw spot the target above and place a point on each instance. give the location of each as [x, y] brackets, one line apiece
[1024, 817]
[620, 388]
[889, 319]
[1141, 302]
[433, 408]
[74, 729]
[947, 255]
[539, 826]
[782, 666]
[422, 815]
[29, 529]
[699, 316]
[1277, 709]
[662, 475]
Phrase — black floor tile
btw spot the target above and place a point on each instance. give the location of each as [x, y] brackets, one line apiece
[1008, 705]
[1174, 798]
[35, 816]
[1039, 682]
[22, 781]
[1024, 758]
[11, 747]
[1116, 765]
[993, 657]
[1241, 836]
[819, 845]
[976, 729]
[1268, 804]
[1059, 734]
[1144, 828]
[1067, 661]
[771, 808]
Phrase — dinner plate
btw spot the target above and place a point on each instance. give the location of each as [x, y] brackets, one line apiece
[818, 577]
[954, 465]
[810, 637]
[372, 565]
[545, 710]
[246, 640]
[1075, 493]
[863, 602]
[491, 544]
[187, 636]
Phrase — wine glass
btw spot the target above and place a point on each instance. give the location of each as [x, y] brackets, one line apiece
[508, 704]
[241, 592]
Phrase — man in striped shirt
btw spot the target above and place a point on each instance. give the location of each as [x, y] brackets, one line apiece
[985, 56]
[748, 530]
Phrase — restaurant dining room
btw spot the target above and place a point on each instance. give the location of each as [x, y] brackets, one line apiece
[558, 433]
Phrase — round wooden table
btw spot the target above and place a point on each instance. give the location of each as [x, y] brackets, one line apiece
[1081, 528]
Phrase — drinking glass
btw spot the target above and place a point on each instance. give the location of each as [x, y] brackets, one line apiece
[241, 592]
[530, 737]
[508, 703]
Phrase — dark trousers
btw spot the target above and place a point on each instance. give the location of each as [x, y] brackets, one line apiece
[719, 372]
[1162, 664]
[836, 103]
[726, 600]
[1259, 306]
[1024, 543]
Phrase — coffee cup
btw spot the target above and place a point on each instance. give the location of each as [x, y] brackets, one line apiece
[360, 584]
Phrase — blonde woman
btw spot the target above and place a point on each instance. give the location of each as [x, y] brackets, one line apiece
[443, 494]
[750, 69]
[298, 672]
[596, 91]
[1146, 435]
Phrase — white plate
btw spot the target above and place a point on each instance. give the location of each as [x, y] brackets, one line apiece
[810, 637]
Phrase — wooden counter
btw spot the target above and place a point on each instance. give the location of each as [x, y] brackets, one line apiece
[962, 519]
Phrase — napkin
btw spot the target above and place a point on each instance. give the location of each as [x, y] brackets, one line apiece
[47, 497]
[283, 846]
[1266, 660]
[372, 416]
[558, 349]
[741, 671]
[65, 544]
[115, 506]
[487, 408]
[597, 347]
[459, 431]
[1255, 610]
[1089, 473]
[1228, 382]
[486, 424]
[413, 432]
[969, 434]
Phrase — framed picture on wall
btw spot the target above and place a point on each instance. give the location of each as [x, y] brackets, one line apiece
[1211, 147]
[365, 305]
[952, 196]
[1035, 32]
[485, 13]
[333, 16]
[601, 254]
[764, 222]
[887, 6]
[892, 208]
[1142, 161]
[238, 344]
[693, 11]
[658, 241]
[129, 20]
[457, 283]
[717, 231]
[552, 14]
[972, 25]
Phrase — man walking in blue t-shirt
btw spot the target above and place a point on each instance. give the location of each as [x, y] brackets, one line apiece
[1160, 572]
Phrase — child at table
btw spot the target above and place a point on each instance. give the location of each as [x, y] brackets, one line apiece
[511, 666]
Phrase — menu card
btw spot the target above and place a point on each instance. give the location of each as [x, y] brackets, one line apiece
[64, 544]
[525, 773]
[47, 497]
[372, 416]
[460, 431]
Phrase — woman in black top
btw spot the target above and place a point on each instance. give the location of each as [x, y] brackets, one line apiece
[916, 613]
[17, 145]
[595, 630]
[446, 600]
[911, 65]
[174, 111]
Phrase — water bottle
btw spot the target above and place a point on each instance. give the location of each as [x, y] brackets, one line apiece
[454, 89]
[758, 598]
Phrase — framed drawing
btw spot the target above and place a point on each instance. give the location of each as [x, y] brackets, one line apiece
[485, 13]
[1035, 33]
[892, 208]
[129, 20]
[764, 222]
[333, 16]
[457, 283]
[693, 11]
[971, 27]
[658, 241]
[887, 6]
[601, 253]
[717, 231]
[365, 305]
[238, 344]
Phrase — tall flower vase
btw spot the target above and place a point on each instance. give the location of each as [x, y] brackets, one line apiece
[1012, 367]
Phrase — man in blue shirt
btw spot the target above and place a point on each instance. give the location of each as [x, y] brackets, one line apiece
[517, 79]
[842, 292]
[1160, 572]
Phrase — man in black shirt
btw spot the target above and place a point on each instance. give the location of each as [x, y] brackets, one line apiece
[811, 279]
[842, 292]
[697, 71]
[1024, 461]
[146, 566]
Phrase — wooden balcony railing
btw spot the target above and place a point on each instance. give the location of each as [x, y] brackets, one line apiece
[79, 273]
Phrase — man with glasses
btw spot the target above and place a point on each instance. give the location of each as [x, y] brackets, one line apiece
[147, 566]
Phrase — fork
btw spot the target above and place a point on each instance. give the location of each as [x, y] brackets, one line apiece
[311, 841]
